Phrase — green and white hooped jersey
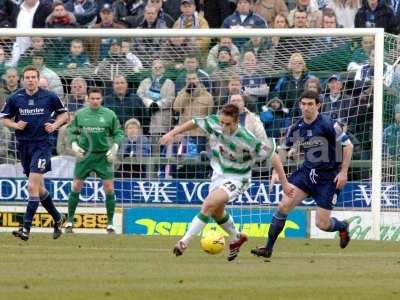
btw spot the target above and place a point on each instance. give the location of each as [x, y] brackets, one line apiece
[233, 154]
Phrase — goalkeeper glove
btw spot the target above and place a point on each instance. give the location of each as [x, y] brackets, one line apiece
[112, 153]
[79, 152]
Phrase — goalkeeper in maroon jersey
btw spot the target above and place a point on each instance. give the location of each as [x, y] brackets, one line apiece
[90, 133]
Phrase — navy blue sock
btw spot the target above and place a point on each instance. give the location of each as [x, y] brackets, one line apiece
[31, 208]
[337, 225]
[276, 227]
[48, 204]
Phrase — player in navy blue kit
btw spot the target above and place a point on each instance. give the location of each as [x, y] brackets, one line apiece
[29, 112]
[327, 155]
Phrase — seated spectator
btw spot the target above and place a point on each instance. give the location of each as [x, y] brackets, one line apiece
[85, 11]
[261, 47]
[64, 147]
[336, 103]
[11, 85]
[345, 11]
[162, 13]
[193, 101]
[158, 94]
[253, 82]
[191, 19]
[2, 61]
[313, 84]
[365, 75]
[226, 42]
[269, 9]
[124, 103]
[191, 65]
[38, 45]
[174, 51]
[133, 60]
[276, 119]
[313, 15]
[115, 63]
[60, 17]
[99, 48]
[361, 54]
[391, 139]
[76, 58]
[216, 12]
[234, 88]
[77, 97]
[244, 17]
[152, 19]
[137, 145]
[248, 119]
[290, 86]
[55, 85]
[375, 13]
[280, 22]
[221, 75]
[129, 12]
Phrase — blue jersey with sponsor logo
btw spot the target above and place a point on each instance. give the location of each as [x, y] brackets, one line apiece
[321, 141]
[35, 109]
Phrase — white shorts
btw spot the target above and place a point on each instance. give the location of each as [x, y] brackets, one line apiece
[232, 185]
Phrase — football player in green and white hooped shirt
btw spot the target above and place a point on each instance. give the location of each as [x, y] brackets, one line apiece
[234, 152]
[95, 134]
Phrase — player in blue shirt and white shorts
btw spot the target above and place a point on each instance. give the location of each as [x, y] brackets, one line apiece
[29, 111]
[327, 156]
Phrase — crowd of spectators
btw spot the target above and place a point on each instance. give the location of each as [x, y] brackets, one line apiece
[155, 83]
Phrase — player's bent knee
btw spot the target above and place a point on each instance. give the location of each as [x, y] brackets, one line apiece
[209, 207]
[77, 186]
[284, 207]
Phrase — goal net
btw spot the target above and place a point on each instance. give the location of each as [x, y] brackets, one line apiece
[154, 80]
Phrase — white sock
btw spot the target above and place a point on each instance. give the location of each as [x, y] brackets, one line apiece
[197, 225]
[229, 227]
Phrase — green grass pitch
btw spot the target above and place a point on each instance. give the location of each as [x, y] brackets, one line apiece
[85, 267]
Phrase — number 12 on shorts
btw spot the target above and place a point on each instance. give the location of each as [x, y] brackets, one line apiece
[41, 163]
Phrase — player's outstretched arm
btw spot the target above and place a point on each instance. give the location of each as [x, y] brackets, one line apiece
[168, 138]
[341, 177]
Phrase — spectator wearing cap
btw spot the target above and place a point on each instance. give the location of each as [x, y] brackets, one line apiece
[391, 139]
[129, 12]
[98, 47]
[189, 19]
[212, 59]
[115, 63]
[125, 103]
[137, 145]
[29, 14]
[336, 103]
[55, 85]
[84, 11]
[76, 98]
[269, 9]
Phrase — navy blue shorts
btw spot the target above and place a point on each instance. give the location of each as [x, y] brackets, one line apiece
[317, 184]
[35, 156]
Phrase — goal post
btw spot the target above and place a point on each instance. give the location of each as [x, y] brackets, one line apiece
[313, 49]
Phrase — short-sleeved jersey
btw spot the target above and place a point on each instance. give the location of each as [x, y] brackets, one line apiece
[95, 130]
[36, 110]
[321, 141]
[233, 154]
